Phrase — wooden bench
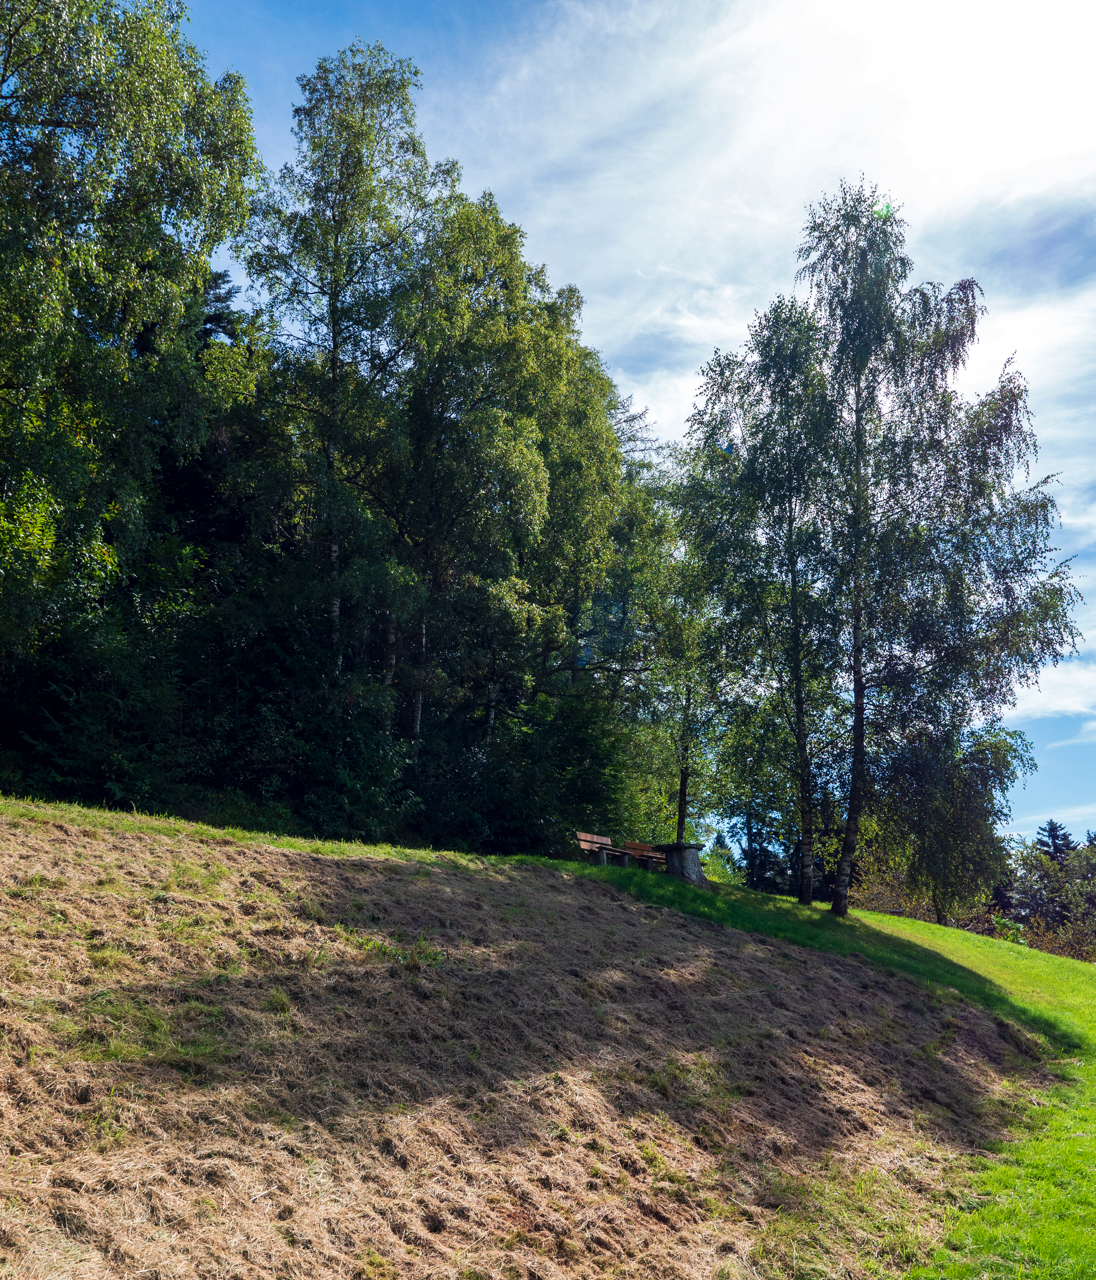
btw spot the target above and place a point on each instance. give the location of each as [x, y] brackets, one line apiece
[597, 848]
[601, 851]
[647, 857]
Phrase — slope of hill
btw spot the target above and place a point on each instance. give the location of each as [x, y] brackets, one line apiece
[224, 1057]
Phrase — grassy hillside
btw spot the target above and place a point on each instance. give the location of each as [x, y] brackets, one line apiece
[1038, 1210]
[226, 1055]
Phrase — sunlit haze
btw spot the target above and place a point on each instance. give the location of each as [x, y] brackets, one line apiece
[660, 157]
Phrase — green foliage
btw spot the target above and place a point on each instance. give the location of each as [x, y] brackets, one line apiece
[946, 797]
[720, 865]
[1009, 930]
[123, 168]
[389, 553]
[1047, 894]
[755, 499]
[885, 578]
[354, 561]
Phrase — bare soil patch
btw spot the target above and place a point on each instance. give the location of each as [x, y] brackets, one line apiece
[224, 1060]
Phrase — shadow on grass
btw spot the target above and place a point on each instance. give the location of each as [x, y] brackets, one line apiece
[532, 1026]
[818, 928]
[389, 984]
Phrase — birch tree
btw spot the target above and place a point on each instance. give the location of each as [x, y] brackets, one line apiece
[755, 504]
[337, 242]
[947, 593]
[883, 573]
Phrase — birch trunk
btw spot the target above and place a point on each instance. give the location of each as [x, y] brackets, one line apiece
[857, 777]
[856, 781]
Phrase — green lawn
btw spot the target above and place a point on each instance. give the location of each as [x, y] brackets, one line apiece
[1038, 1216]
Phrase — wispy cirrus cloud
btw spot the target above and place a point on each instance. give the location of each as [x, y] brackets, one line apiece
[1069, 818]
[1069, 689]
[1086, 735]
[661, 155]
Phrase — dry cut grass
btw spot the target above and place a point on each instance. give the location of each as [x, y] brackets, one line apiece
[223, 1059]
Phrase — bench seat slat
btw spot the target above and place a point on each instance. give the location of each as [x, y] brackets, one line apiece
[605, 851]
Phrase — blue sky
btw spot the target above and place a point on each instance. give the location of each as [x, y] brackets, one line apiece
[660, 156]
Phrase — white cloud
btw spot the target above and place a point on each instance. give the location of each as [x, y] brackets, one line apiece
[1085, 736]
[661, 155]
[1067, 817]
[1068, 689]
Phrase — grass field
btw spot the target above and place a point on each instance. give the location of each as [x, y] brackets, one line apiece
[1038, 1216]
[370, 1018]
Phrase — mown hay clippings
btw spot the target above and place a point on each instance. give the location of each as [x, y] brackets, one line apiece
[300, 1066]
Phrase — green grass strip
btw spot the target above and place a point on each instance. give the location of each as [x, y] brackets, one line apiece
[1038, 1218]
[169, 827]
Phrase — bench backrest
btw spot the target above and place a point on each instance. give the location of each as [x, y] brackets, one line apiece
[603, 847]
[592, 844]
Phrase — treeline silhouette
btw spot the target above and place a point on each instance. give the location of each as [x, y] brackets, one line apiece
[385, 552]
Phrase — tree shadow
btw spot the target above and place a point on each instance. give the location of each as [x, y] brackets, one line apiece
[818, 929]
[542, 1065]
[380, 984]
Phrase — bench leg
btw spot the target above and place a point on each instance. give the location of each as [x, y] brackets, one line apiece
[598, 859]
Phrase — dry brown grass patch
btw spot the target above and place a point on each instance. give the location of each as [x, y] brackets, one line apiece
[222, 1060]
